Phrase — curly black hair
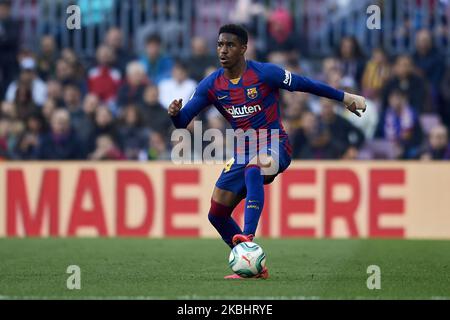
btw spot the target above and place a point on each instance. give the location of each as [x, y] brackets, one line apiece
[237, 30]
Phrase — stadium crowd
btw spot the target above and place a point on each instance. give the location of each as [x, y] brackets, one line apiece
[57, 106]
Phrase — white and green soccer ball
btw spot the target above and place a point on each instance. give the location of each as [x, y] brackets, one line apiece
[247, 259]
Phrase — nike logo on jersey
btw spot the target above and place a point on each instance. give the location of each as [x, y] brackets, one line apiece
[221, 98]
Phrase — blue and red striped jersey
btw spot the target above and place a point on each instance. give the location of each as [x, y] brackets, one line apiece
[254, 101]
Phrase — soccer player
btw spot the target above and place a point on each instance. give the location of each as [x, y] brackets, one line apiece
[246, 93]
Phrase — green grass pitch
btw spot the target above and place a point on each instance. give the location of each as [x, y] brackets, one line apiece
[194, 269]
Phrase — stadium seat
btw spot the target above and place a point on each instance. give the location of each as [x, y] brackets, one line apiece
[382, 149]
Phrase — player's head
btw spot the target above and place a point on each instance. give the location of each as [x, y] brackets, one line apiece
[231, 44]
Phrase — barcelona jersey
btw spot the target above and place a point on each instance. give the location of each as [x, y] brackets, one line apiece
[253, 100]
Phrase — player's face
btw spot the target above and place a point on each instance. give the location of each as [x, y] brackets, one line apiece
[229, 50]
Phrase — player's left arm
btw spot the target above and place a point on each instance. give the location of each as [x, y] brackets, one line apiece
[284, 79]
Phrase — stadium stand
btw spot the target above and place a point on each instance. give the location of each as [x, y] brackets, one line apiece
[95, 93]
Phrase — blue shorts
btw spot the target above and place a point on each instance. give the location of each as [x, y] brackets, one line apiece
[232, 177]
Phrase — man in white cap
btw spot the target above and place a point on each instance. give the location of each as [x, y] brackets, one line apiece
[28, 77]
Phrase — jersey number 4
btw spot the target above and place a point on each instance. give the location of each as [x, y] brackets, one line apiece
[228, 165]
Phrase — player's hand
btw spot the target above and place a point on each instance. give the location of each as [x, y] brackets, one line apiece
[175, 107]
[354, 103]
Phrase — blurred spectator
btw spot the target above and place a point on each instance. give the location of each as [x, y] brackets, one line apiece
[104, 80]
[200, 59]
[79, 120]
[105, 124]
[5, 127]
[246, 13]
[402, 33]
[61, 143]
[65, 72]
[154, 114]
[28, 79]
[157, 65]
[72, 99]
[133, 136]
[311, 141]
[351, 58]
[79, 74]
[8, 109]
[347, 138]
[47, 110]
[54, 91]
[295, 104]
[400, 124]
[369, 121]
[334, 79]
[158, 149]
[46, 59]
[90, 104]
[176, 87]
[132, 91]
[23, 101]
[9, 46]
[329, 65]
[281, 37]
[106, 149]
[438, 147]
[84, 123]
[376, 73]
[428, 60]
[445, 96]
[10, 131]
[114, 39]
[412, 85]
[27, 143]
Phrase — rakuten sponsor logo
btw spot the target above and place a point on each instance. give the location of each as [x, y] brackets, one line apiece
[242, 111]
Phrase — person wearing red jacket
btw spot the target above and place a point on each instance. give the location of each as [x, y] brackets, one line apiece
[103, 80]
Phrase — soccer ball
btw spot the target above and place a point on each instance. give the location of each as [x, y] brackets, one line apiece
[247, 259]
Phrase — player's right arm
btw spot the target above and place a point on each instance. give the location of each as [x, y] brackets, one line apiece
[182, 116]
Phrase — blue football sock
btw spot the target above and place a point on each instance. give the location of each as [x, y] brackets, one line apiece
[254, 202]
[220, 217]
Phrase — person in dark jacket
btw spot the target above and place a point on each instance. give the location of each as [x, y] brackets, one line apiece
[347, 139]
[133, 135]
[132, 91]
[61, 143]
[437, 147]
[114, 39]
[28, 141]
[154, 114]
[430, 63]
[411, 84]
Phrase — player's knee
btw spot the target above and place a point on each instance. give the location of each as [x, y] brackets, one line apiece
[218, 210]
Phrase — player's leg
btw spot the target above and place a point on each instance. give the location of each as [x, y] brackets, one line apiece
[262, 169]
[256, 173]
[223, 203]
